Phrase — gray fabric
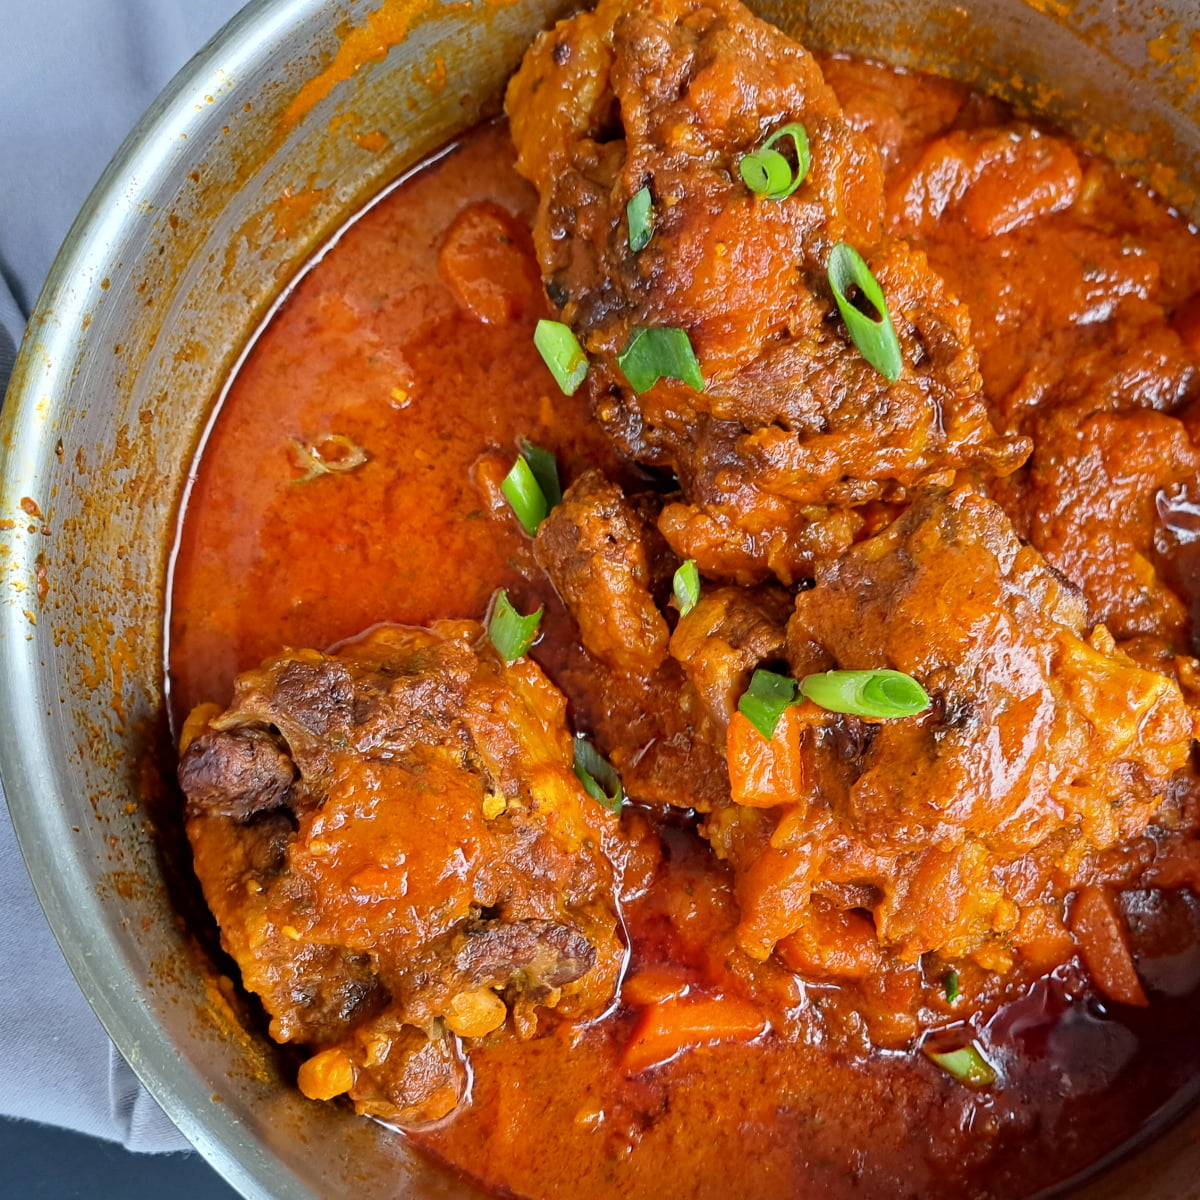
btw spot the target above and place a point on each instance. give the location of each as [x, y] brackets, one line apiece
[11, 324]
[75, 75]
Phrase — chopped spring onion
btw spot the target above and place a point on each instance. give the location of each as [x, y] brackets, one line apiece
[768, 173]
[662, 353]
[967, 1065]
[950, 982]
[524, 493]
[544, 466]
[333, 454]
[562, 353]
[598, 776]
[639, 212]
[687, 587]
[866, 693]
[511, 633]
[763, 702]
[875, 336]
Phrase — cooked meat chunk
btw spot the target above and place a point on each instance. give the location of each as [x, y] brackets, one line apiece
[1094, 369]
[744, 534]
[1087, 497]
[593, 547]
[670, 96]
[896, 111]
[721, 641]
[1089, 501]
[434, 1076]
[656, 730]
[453, 975]
[396, 848]
[960, 831]
[551, 955]
[238, 774]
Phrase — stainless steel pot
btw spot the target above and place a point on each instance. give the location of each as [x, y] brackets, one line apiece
[176, 258]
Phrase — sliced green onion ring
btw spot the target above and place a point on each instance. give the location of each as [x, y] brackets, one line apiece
[562, 353]
[767, 172]
[687, 586]
[544, 466]
[875, 338]
[880, 694]
[763, 702]
[967, 1065]
[598, 776]
[950, 982]
[524, 493]
[511, 633]
[639, 212]
[661, 353]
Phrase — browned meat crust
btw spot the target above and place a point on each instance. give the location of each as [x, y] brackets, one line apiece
[794, 428]
[237, 774]
[960, 832]
[721, 641]
[397, 850]
[593, 547]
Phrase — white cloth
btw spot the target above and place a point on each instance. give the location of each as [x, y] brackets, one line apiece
[75, 75]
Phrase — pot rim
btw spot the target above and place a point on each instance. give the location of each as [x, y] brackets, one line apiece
[41, 381]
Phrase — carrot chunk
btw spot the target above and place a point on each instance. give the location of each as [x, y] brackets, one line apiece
[487, 261]
[765, 773]
[653, 985]
[1104, 945]
[674, 1025]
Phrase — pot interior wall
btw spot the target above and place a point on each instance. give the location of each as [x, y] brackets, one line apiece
[220, 195]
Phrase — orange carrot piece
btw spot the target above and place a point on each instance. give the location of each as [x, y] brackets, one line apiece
[765, 773]
[1104, 945]
[674, 1025]
[653, 985]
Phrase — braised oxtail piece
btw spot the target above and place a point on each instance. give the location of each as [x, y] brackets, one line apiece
[400, 856]
[781, 428]
[955, 837]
